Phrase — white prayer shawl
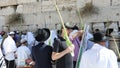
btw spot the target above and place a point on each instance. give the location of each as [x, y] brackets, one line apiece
[50, 40]
[9, 47]
[98, 57]
[23, 53]
[30, 38]
[24, 37]
[2, 61]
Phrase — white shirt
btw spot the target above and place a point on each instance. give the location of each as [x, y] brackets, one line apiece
[9, 47]
[50, 40]
[98, 57]
[23, 53]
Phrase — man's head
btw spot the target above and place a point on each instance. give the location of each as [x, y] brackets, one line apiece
[96, 31]
[69, 28]
[2, 33]
[23, 41]
[24, 32]
[75, 27]
[99, 38]
[42, 35]
[12, 34]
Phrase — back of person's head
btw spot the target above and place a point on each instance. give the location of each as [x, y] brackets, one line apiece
[97, 30]
[23, 41]
[75, 27]
[109, 31]
[119, 29]
[12, 33]
[24, 32]
[98, 37]
[42, 35]
[59, 32]
[2, 33]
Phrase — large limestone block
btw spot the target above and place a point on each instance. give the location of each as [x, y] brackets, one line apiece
[80, 3]
[19, 9]
[2, 22]
[48, 8]
[34, 8]
[115, 2]
[7, 2]
[101, 3]
[47, 3]
[7, 10]
[29, 8]
[25, 1]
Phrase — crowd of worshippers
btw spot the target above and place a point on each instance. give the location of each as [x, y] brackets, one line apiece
[44, 47]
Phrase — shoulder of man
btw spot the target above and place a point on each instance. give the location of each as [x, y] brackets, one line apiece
[111, 52]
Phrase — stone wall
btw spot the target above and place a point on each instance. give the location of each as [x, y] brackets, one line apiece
[42, 13]
[36, 12]
[108, 11]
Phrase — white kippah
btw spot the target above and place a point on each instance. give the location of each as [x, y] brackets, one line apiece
[23, 40]
[11, 33]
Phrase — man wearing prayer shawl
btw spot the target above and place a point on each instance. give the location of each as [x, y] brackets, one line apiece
[2, 61]
[9, 48]
[30, 39]
[23, 53]
[98, 56]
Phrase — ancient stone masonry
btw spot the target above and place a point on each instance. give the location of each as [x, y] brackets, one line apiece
[7, 2]
[37, 12]
[14, 2]
[43, 12]
[32, 6]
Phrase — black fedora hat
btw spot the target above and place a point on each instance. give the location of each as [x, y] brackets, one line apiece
[98, 37]
[42, 34]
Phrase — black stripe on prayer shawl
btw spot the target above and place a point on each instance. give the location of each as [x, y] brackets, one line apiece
[1, 64]
[1, 58]
[1, 61]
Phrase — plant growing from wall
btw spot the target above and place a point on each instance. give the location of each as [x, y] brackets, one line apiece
[69, 8]
[15, 18]
[89, 9]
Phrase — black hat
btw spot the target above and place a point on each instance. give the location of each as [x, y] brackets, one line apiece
[98, 37]
[42, 34]
[75, 27]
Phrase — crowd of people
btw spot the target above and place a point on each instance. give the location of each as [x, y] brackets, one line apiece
[40, 50]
